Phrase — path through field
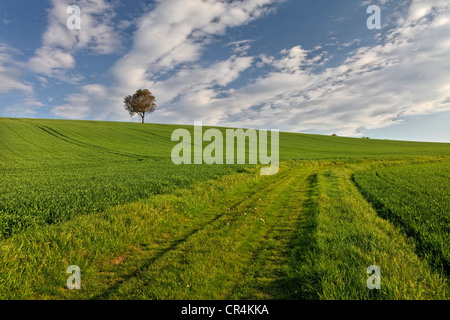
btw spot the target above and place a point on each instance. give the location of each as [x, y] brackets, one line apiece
[241, 253]
[305, 233]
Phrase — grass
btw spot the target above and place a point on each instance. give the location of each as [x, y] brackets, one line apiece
[416, 198]
[106, 197]
[351, 237]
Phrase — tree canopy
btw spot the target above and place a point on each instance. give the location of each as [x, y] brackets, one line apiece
[141, 103]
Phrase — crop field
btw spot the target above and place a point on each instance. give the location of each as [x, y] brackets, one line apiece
[416, 198]
[106, 197]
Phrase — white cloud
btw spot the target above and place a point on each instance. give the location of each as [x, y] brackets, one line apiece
[59, 44]
[175, 33]
[100, 102]
[25, 108]
[240, 47]
[49, 61]
[10, 71]
[407, 74]
[78, 104]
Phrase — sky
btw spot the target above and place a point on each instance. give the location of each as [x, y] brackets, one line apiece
[309, 66]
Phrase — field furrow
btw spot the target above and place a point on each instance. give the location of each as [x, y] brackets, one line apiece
[208, 263]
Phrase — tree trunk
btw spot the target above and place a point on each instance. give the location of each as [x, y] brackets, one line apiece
[143, 116]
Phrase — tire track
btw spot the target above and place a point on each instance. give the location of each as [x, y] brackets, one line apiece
[291, 221]
[176, 245]
[79, 143]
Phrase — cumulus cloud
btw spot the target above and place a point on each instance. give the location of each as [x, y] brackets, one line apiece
[59, 44]
[406, 74]
[99, 102]
[175, 33]
[78, 104]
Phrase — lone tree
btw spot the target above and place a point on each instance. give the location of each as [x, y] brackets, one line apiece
[141, 103]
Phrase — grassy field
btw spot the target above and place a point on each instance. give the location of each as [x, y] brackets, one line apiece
[106, 197]
[416, 198]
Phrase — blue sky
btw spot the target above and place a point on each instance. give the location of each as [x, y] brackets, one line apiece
[307, 66]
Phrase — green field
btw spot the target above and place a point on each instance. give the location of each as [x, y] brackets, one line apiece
[106, 197]
[415, 198]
